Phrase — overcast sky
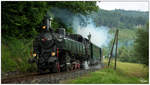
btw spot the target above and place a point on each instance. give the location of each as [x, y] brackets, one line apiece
[139, 6]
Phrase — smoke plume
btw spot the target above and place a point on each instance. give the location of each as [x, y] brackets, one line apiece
[83, 25]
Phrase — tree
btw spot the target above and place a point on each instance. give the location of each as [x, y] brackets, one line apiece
[83, 7]
[23, 19]
[142, 44]
[19, 19]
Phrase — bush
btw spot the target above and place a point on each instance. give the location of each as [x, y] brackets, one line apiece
[141, 45]
[15, 55]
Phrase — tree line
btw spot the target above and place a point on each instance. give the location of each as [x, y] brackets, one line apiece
[23, 19]
[120, 18]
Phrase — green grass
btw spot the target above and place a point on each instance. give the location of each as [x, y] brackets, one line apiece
[15, 55]
[126, 73]
[133, 69]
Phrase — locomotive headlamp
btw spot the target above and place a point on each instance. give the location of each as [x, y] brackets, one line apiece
[53, 54]
[43, 27]
[34, 54]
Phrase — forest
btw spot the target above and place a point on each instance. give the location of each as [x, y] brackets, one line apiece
[22, 21]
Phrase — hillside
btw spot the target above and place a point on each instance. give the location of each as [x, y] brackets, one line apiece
[121, 18]
[132, 13]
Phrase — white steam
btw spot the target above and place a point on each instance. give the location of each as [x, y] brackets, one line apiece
[84, 25]
[99, 35]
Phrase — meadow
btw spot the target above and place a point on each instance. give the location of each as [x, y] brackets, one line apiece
[126, 73]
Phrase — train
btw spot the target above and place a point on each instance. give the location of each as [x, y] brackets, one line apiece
[58, 50]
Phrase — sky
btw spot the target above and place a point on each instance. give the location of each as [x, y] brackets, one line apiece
[138, 6]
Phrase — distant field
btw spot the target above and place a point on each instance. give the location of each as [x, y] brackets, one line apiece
[126, 73]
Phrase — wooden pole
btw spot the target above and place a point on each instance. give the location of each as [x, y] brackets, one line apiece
[112, 49]
[116, 49]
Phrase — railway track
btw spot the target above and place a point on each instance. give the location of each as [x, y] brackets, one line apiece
[54, 78]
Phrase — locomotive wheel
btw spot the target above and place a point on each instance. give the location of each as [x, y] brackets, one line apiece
[41, 71]
[55, 68]
[68, 63]
[68, 67]
[85, 64]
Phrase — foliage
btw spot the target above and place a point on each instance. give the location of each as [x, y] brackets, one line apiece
[126, 35]
[132, 13]
[126, 54]
[120, 18]
[19, 19]
[125, 45]
[24, 19]
[15, 55]
[142, 45]
[82, 7]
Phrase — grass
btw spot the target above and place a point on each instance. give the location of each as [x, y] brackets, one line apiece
[132, 69]
[126, 73]
[15, 55]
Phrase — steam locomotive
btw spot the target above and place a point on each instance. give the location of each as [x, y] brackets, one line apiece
[57, 51]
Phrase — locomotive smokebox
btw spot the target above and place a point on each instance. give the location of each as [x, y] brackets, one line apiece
[62, 31]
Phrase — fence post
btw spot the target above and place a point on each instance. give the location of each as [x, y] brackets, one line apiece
[112, 49]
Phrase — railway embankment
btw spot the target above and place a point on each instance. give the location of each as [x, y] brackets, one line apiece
[47, 78]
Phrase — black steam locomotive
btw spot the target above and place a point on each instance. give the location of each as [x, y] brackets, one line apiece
[57, 51]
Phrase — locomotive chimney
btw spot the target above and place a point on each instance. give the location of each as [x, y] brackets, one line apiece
[47, 23]
[50, 21]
